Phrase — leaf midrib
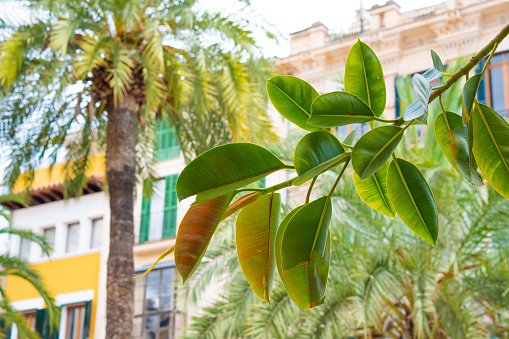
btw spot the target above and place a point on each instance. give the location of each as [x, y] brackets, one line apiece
[411, 197]
[319, 227]
[365, 75]
[491, 135]
[382, 194]
[294, 102]
[382, 149]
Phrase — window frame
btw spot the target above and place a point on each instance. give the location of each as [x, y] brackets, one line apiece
[54, 239]
[172, 313]
[92, 229]
[81, 317]
[504, 65]
[69, 225]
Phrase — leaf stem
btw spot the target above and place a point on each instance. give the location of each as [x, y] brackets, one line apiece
[386, 121]
[470, 64]
[308, 195]
[489, 59]
[270, 189]
[339, 177]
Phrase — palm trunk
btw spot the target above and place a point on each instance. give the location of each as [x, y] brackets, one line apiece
[120, 169]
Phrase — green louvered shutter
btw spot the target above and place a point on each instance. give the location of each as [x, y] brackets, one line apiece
[167, 143]
[42, 325]
[170, 207]
[145, 218]
[86, 325]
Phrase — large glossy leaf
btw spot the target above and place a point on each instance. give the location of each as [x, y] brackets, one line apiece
[306, 282]
[451, 136]
[413, 111]
[195, 232]
[256, 230]
[364, 77]
[422, 89]
[339, 109]
[373, 191]
[374, 148]
[306, 233]
[491, 147]
[292, 97]
[412, 199]
[224, 169]
[241, 202]
[437, 62]
[350, 138]
[315, 153]
[470, 91]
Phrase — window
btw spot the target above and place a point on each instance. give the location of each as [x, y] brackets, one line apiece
[24, 248]
[97, 226]
[497, 83]
[73, 238]
[154, 300]
[30, 320]
[159, 212]
[49, 235]
[75, 322]
[167, 143]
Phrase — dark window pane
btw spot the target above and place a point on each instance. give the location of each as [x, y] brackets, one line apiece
[150, 335]
[497, 89]
[152, 304]
[164, 320]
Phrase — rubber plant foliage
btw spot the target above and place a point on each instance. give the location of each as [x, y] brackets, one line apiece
[475, 143]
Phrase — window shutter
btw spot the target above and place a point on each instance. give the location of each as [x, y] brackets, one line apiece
[144, 219]
[5, 328]
[42, 325]
[167, 143]
[170, 207]
[481, 92]
[86, 324]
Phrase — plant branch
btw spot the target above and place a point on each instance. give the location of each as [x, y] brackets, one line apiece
[339, 177]
[308, 195]
[270, 189]
[471, 64]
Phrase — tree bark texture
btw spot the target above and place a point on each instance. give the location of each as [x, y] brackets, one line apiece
[120, 169]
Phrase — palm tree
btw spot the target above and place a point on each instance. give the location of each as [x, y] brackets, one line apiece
[384, 281]
[14, 266]
[110, 69]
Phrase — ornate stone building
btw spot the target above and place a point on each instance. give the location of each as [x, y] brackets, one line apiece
[402, 41]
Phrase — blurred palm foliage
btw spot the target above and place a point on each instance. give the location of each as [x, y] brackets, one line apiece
[384, 281]
[14, 266]
[62, 69]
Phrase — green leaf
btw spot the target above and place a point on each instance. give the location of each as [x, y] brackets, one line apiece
[364, 77]
[350, 138]
[412, 199]
[224, 169]
[437, 62]
[470, 92]
[241, 202]
[432, 74]
[306, 233]
[315, 153]
[413, 111]
[292, 97]
[195, 232]
[422, 90]
[373, 191]
[374, 148]
[339, 109]
[256, 230]
[451, 136]
[491, 147]
[306, 282]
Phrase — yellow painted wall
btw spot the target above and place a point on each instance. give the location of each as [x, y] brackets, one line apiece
[61, 276]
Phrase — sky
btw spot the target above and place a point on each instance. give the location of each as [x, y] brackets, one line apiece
[288, 16]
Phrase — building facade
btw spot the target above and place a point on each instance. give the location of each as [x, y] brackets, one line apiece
[402, 42]
[75, 272]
